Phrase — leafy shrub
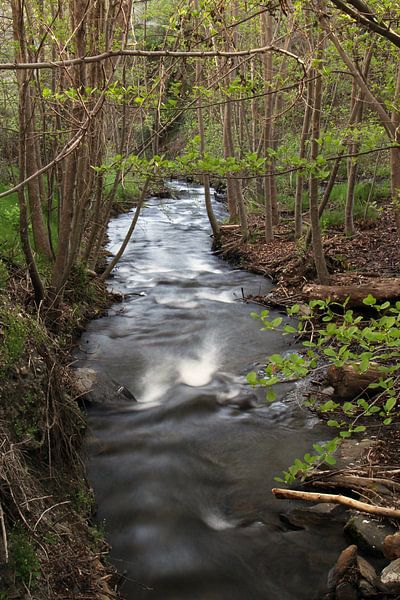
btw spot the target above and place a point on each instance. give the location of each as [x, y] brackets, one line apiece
[339, 337]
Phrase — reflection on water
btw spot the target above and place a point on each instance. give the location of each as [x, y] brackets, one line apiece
[183, 478]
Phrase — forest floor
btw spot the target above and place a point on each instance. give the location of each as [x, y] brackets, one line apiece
[373, 252]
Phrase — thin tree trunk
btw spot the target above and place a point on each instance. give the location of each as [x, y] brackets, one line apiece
[357, 105]
[130, 231]
[305, 132]
[266, 33]
[27, 127]
[395, 154]
[319, 258]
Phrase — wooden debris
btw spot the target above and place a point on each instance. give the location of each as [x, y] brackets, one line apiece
[382, 289]
[382, 511]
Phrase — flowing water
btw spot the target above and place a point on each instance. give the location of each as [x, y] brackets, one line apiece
[183, 477]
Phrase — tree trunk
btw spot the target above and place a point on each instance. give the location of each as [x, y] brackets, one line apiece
[395, 154]
[357, 111]
[266, 38]
[305, 132]
[27, 128]
[129, 233]
[319, 258]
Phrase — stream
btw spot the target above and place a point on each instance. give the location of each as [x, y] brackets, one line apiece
[183, 477]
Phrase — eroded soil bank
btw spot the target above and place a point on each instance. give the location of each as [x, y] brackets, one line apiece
[49, 547]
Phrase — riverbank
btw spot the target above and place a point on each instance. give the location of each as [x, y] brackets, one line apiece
[49, 546]
[366, 470]
[371, 254]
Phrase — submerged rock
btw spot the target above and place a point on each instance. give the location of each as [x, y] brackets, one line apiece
[318, 514]
[97, 388]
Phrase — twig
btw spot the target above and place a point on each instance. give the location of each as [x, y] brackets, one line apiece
[382, 511]
[47, 510]
[4, 533]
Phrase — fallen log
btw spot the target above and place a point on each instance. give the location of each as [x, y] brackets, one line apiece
[348, 382]
[381, 289]
[383, 511]
[355, 482]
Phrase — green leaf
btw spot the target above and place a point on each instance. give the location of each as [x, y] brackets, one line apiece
[359, 429]
[345, 434]
[369, 300]
[330, 352]
[330, 460]
[390, 404]
[349, 407]
[276, 322]
[332, 423]
[252, 378]
[276, 358]
[289, 329]
[270, 395]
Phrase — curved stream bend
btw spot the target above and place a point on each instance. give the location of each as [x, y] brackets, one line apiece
[183, 478]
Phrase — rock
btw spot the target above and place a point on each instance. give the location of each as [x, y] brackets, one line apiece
[351, 452]
[97, 388]
[344, 569]
[391, 546]
[328, 391]
[367, 571]
[346, 591]
[367, 590]
[390, 576]
[313, 515]
[349, 383]
[368, 533]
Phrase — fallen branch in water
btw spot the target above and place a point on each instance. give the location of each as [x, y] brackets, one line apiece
[382, 511]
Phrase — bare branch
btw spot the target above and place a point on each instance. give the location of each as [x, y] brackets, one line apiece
[149, 54]
[360, 13]
[382, 511]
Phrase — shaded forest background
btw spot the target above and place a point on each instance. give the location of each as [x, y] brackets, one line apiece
[292, 108]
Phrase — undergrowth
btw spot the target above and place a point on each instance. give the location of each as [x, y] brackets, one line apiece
[333, 334]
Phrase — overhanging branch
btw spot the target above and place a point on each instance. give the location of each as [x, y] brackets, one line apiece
[149, 54]
[362, 15]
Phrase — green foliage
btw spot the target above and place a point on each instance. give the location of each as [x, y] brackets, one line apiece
[366, 198]
[339, 337]
[23, 557]
[9, 226]
[14, 333]
[97, 533]
[4, 275]
[81, 288]
[84, 500]
[16, 330]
